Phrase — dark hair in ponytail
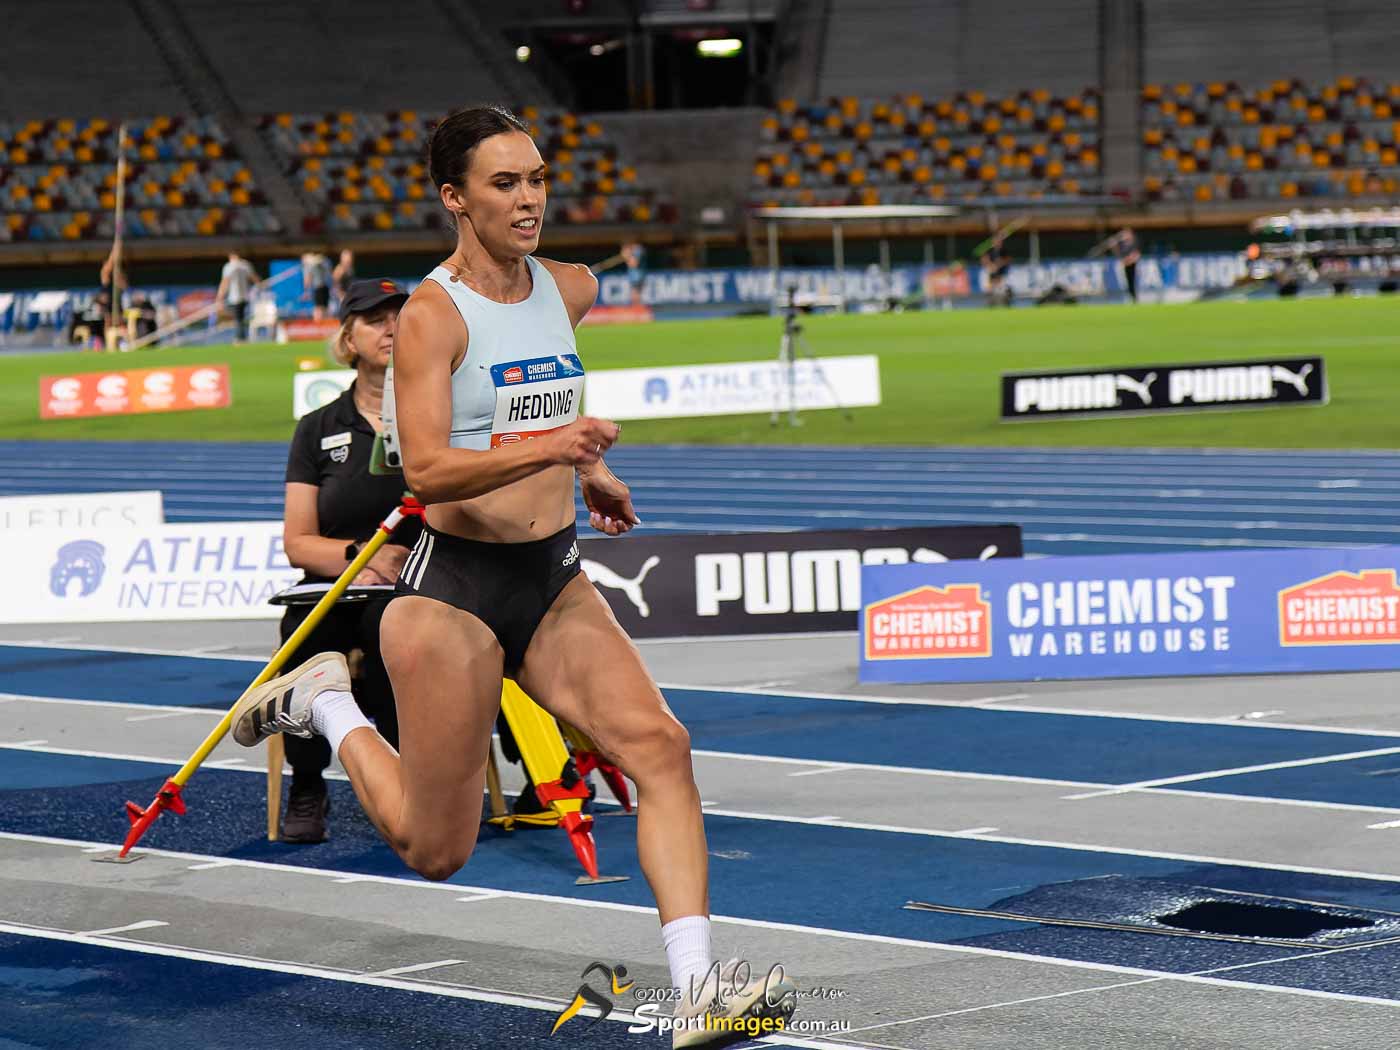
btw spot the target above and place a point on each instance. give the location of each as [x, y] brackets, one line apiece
[451, 144]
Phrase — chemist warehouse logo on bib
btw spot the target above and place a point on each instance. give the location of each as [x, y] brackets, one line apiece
[534, 397]
[1342, 608]
[929, 623]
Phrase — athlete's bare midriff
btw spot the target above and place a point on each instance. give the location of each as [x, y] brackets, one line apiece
[530, 509]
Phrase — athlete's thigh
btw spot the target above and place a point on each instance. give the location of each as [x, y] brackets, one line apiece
[581, 666]
[445, 666]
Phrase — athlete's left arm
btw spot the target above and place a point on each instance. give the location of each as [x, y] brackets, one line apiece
[607, 497]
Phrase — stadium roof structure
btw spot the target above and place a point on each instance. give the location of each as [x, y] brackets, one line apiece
[840, 212]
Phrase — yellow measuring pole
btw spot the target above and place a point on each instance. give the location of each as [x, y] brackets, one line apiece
[169, 795]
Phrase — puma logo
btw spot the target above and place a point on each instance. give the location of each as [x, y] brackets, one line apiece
[1143, 390]
[1297, 380]
[924, 556]
[602, 576]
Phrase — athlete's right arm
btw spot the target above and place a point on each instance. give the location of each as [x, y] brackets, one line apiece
[429, 340]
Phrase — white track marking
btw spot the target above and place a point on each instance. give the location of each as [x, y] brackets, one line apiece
[1238, 771]
[930, 946]
[29, 644]
[131, 927]
[416, 968]
[241, 766]
[1226, 720]
[158, 715]
[345, 976]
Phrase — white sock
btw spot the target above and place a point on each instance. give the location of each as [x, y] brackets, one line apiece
[687, 943]
[334, 715]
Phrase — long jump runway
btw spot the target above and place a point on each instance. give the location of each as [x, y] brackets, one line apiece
[1075, 851]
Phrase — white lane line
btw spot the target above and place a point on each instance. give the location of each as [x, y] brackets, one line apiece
[1002, 1005]
[448, 990]
[955, 774]
[131, 927]
[121, 705]
[1234, 968]
[210, 865]
[1014, 840]
[975, 831]
[157, 715]
[336, 774]
[477, 897]
[1036, 709]
[834, 768]
[1383, 825]
[20, 745]
[416, 968]
[27, 644]
[345, 977]
[1239, 771]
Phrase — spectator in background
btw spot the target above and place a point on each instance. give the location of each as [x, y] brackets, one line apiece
[996, 265]
[333, 506]
[343, 275]
[635, 256]
[236, 291]
[1125, 249]
[112, 278]
[316, 277]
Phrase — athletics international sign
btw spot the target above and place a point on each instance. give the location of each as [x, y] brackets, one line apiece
[175, 389]
[221, 571]
[732, 389]
[1236, 612]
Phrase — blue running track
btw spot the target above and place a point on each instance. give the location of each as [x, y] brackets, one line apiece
[1072, 501]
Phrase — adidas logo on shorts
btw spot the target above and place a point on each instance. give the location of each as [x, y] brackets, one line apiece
[572, 556]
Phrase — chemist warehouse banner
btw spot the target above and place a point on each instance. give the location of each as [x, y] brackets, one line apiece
[223, 571]
[1131, 615]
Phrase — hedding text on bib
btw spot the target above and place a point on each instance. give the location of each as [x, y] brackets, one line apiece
[534, 397]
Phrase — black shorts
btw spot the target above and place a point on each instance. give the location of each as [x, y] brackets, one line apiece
[507, 586]
[321, 295]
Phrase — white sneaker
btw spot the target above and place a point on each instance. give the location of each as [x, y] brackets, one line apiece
[283, 705]
[726, 1012]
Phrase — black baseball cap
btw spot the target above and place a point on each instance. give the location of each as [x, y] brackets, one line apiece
[363, 296]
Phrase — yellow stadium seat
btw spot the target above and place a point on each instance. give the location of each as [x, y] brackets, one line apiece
[383, 220]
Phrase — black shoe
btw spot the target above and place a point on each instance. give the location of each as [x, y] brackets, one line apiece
[305, 817]
[527, 801]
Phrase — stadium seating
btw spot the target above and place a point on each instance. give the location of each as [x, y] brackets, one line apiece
[58, 180]
[367, 171]
[1205, 142]
[910, 149]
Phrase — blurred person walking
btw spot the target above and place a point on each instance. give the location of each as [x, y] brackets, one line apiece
[236, 286]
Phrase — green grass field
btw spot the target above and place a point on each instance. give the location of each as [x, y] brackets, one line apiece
[939, 373]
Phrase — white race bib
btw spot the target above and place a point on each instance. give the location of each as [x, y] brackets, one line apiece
[534, 397]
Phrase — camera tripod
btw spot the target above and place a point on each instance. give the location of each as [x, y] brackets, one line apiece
[790, 346]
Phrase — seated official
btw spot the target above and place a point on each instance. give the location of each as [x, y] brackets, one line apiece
[334, 504]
